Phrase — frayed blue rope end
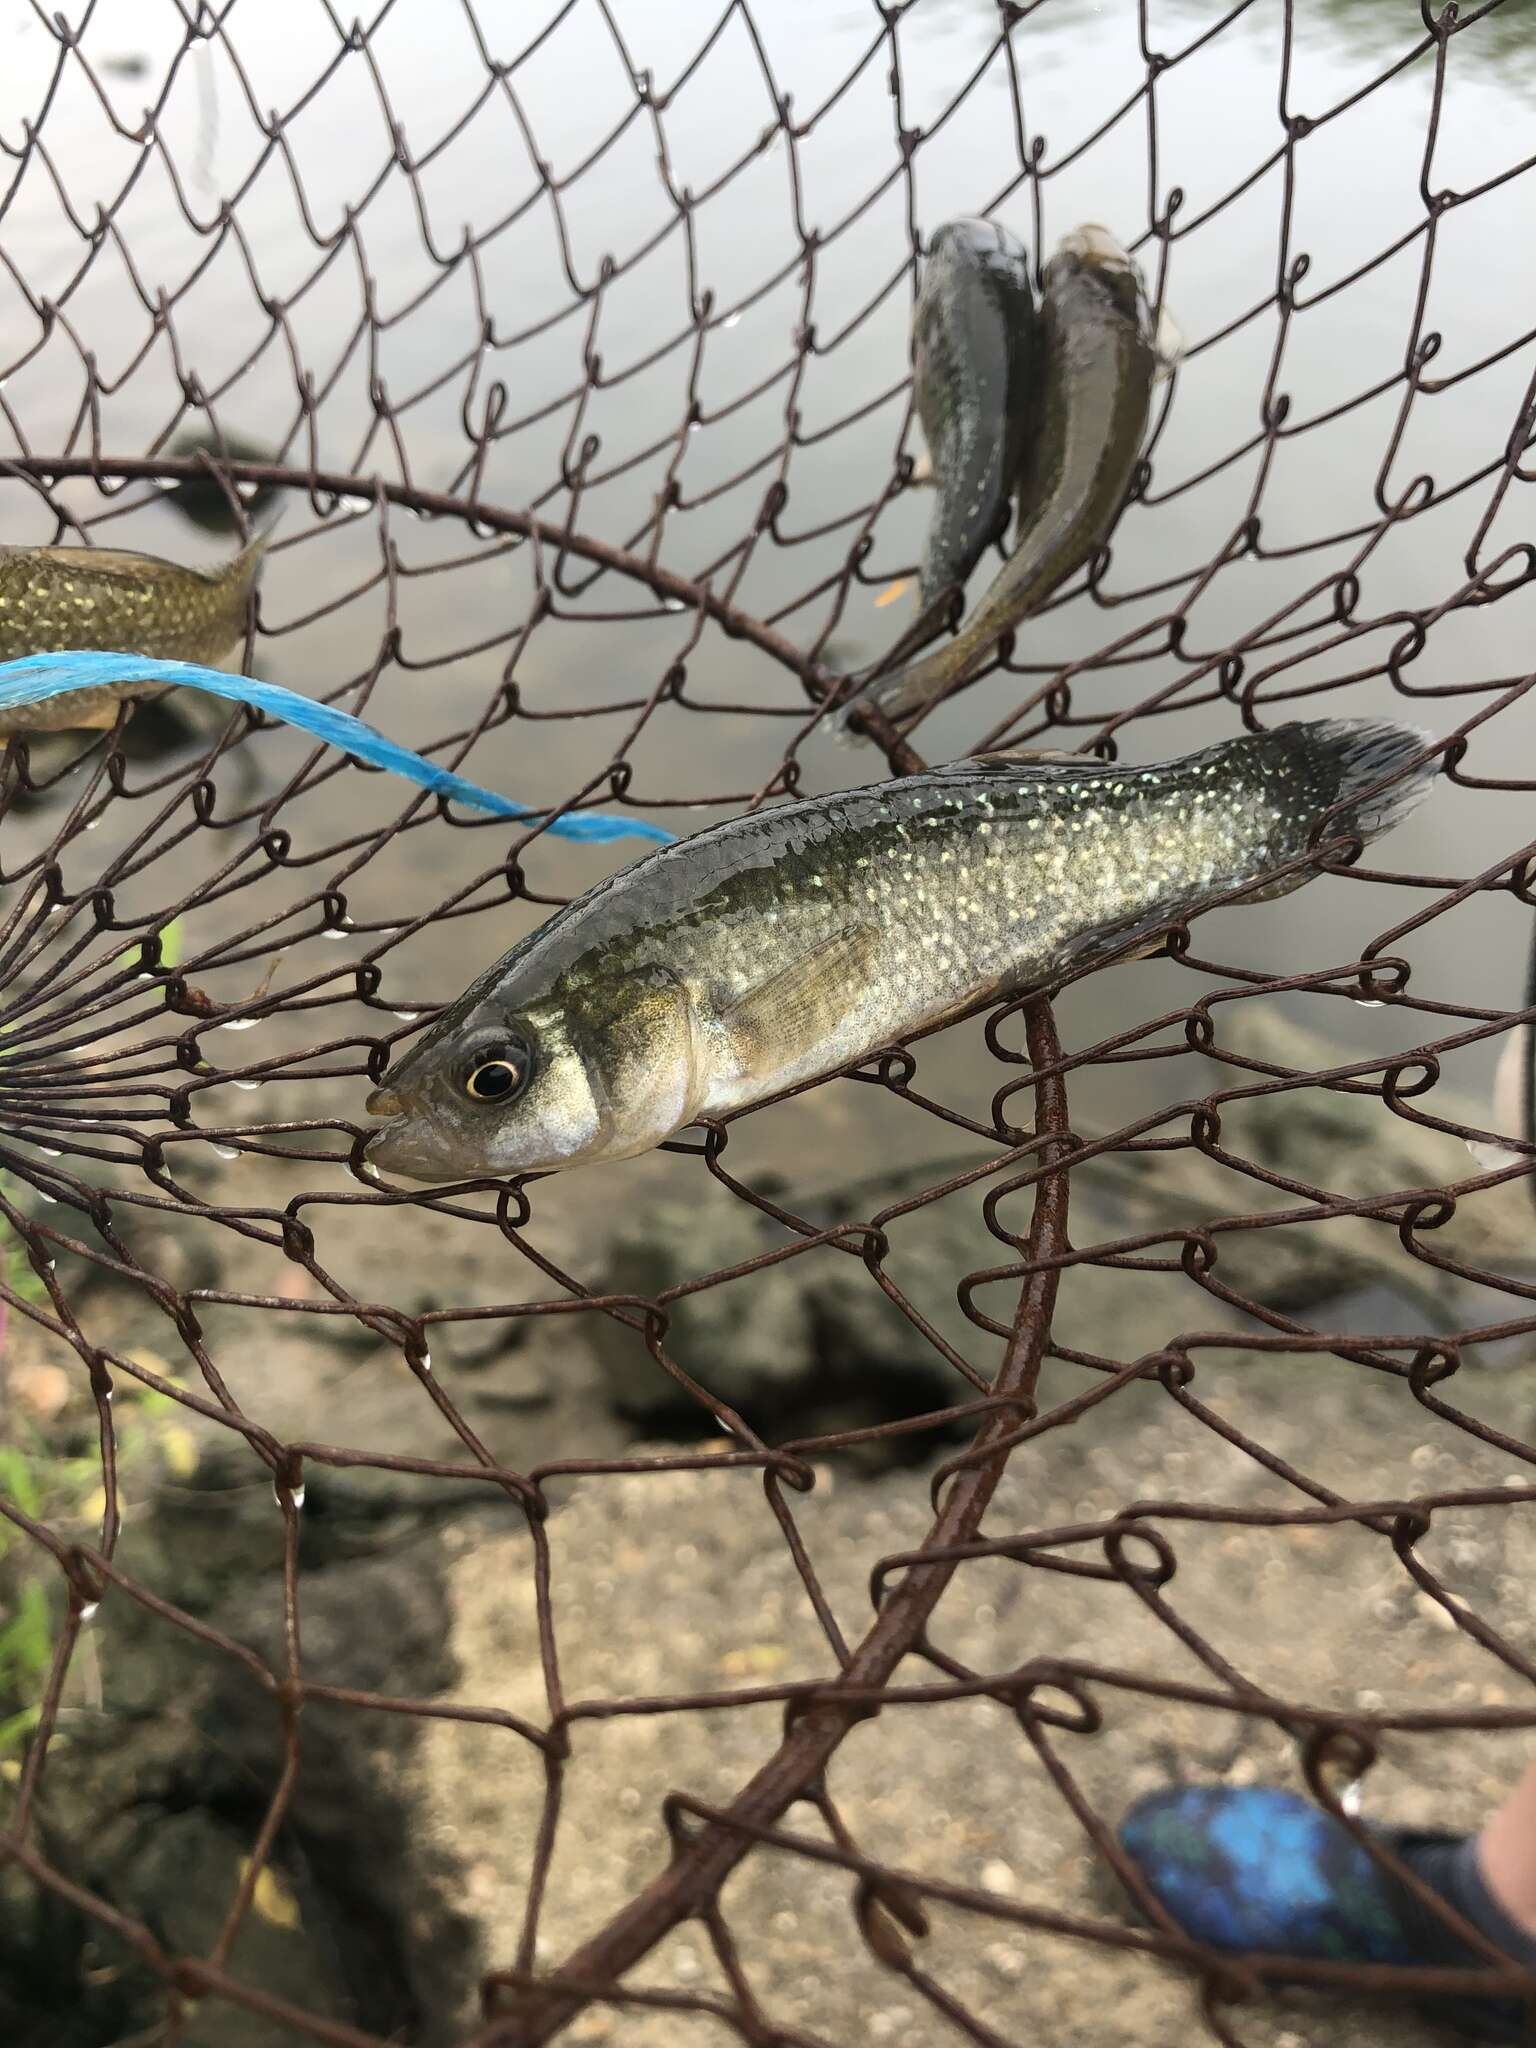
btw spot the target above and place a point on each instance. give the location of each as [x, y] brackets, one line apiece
[35, 677]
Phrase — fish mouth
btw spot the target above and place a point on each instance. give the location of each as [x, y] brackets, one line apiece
[393, 1147]
[1096, 245]
[408, 1147]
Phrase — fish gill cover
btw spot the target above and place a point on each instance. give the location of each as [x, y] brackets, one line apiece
[456, 1613]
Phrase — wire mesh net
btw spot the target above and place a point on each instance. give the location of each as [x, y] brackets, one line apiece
[578, 347]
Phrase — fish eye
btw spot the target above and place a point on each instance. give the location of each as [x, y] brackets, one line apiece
[501, 1073]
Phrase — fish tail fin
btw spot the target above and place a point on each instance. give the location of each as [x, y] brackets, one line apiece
[1355, 777]
[1376, 769]
[242, 569]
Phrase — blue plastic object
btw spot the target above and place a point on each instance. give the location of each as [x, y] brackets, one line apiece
[1247, 1867]
[34, 677]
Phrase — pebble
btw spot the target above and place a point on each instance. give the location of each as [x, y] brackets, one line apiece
[1008, 1963]
[42, 1388]
[997, 1876]
[1433, 1611]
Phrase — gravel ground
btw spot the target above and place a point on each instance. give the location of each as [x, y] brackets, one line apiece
[670, 1582]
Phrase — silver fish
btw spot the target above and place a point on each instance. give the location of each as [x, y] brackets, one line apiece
[784, 945]
[1099, 357]
[973, 341]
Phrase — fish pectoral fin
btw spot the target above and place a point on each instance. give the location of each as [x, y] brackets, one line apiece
[802, 1005]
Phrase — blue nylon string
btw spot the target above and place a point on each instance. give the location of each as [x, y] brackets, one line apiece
[35, 677]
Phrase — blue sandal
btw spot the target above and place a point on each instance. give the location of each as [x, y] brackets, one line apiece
[1255, 1867]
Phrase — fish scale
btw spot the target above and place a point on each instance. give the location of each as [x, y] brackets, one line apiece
[109, 599]
[1077, 453]
[973, 332]
[789, 943]
[979, 882]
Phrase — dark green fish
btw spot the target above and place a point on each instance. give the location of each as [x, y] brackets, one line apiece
[52, 599]
[203, 498]
[1098, 360]
[787, 944]
[973, 343]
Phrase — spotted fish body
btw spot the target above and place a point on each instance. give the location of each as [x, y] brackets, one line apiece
[1098, 361]
[973, 337]
[784, 945]
[53, 599]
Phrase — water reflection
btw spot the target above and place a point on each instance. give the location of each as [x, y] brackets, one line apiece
[1502, 37]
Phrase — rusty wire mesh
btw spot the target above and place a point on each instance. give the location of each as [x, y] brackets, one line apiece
[685, 601]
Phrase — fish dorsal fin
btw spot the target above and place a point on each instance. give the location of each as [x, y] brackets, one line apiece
[1005, 759]
[129, 563]
[802, 1005]
[133, 565]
